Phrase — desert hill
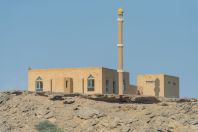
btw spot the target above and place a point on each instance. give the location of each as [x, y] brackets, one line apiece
[44, 112]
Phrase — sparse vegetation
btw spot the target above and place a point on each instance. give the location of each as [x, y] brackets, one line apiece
[46, 126]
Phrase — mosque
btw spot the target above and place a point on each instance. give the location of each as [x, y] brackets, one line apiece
[100, 80]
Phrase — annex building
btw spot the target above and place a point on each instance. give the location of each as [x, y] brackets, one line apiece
[100, 80]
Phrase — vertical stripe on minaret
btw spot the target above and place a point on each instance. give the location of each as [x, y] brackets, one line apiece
[120, 51]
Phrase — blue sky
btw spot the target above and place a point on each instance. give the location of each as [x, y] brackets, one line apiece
[159, 37]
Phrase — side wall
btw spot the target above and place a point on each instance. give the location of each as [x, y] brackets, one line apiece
[132, 89]
[54, 79]
[112, 75]
[171, 86]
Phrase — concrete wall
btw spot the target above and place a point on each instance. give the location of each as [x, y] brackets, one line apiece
[158, 85]
[112, 75]
[132, 89]
[151, 85]
[54, 79]
[171, 85]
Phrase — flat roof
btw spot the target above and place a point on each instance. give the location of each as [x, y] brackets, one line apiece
[71, 68]
[160, 74]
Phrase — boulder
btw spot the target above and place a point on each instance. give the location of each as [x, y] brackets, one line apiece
[45, 94]
[164, 104]
[88, 113]
[193, 122]
[183, 100]
[4, 98]
[146, 100]
[72, 94]
[17, 92]
[56, 97]
[69, 101]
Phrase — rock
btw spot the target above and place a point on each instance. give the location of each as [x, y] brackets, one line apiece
[146, 100]
[45, 94]
[193, 122]
[114, 122]
[49, 116]
[183, 100]
[53, 119]
[4, 98]
[17, 92]
[56, 97]
[71, 125]
[87, 113]
[125, 99]
[72, 95]
[164, 104]
[69, 101]
[125, 129]
[132, 120]
[148, 113]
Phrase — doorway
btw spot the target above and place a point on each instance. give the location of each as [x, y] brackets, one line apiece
[68, 85]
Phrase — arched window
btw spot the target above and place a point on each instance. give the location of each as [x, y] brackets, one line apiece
[39, 84]
[90, 83]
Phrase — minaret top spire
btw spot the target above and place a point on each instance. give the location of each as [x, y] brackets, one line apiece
[120, 11]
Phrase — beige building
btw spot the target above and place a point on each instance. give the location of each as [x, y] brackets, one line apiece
[158, 85]
[102, 80]
[77, 80]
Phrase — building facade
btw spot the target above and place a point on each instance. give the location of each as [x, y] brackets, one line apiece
[100, 81]
[158, 85]
[77, 80]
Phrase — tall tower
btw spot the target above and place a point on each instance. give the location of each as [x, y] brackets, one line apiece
[120, 51]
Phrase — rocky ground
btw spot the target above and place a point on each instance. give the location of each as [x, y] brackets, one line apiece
[25, 112]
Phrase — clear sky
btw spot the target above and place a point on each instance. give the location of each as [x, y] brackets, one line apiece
[159, 37]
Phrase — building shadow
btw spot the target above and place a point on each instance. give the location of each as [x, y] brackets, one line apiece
[157, 87]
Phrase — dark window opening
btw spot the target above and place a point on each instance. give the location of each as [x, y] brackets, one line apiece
[90, 83]
[124, 85]
[114, 87]
[107, 86]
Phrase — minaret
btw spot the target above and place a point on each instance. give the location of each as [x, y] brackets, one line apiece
[120, 51]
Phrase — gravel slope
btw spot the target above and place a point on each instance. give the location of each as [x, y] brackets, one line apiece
[20, 113]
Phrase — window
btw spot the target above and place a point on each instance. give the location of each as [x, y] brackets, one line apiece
[107, 86]
[39, 84]
[124, 85]
[169, 82]
[90, 83]
[174, 83]
[114, 87]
